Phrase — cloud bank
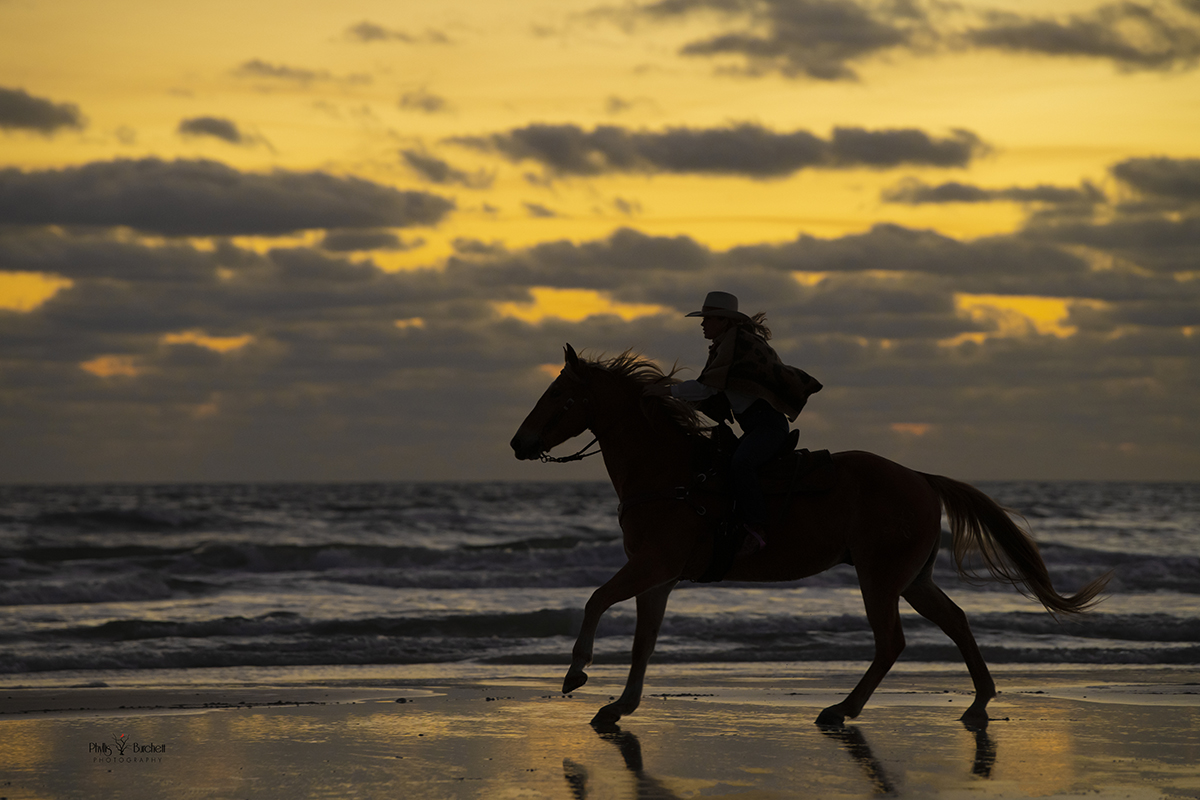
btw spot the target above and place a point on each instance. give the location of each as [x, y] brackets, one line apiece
[746, 149]
[206, 198]
[827, 40]
[1070, 338]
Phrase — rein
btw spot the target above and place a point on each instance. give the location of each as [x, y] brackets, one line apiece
[577, 456]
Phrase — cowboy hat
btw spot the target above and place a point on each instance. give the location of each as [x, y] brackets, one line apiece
[720, 304]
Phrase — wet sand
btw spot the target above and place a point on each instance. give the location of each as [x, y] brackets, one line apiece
[742, 731]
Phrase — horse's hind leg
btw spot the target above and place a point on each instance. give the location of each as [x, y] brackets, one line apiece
[932, 603]
[883, 612]
[651, 606]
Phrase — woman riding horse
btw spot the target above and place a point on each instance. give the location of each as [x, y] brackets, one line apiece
[744, 377]
[879, 516]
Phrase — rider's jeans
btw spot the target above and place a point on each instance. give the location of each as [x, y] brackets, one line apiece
[763, 432]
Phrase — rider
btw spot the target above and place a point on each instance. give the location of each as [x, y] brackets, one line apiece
[745, 376]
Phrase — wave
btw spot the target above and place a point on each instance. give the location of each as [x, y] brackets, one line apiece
[93, 573]
[545, 636]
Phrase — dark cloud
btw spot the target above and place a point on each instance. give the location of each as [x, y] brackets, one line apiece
[435, 170]
[1158, 229]
[1134, 36]
[256, 68]
[330, 386]
[1166, 244]
[354, 241]
[916, 192]
[476, 247]
[745, 149]
[818, 39]
[1175, 179]
[206, 198]
[827, 39]
[368, 32]
[20, 110]
[215, 127]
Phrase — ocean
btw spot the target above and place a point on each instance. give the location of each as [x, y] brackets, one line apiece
[128, 583]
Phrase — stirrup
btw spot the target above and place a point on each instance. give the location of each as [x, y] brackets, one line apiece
[754, 532]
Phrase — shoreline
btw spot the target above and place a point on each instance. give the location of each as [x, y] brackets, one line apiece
[743, 730]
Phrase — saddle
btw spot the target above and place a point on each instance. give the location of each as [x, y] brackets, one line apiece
[789, 471]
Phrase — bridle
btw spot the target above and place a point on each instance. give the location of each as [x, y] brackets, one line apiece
[582, 453]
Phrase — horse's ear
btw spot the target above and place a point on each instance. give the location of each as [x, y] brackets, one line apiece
[572, 358]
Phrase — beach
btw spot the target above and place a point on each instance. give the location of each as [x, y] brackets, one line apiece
[409, 641]
[717, 730]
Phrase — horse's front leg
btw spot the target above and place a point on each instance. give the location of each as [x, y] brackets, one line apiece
[651, 606]
[637, 576]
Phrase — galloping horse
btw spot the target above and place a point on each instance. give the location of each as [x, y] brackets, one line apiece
[883, 518]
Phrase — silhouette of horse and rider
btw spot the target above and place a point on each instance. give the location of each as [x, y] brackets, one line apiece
[677, 524]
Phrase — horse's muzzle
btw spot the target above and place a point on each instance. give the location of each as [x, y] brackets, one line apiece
[526, 447]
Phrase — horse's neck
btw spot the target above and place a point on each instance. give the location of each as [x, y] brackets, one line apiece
[640, 453]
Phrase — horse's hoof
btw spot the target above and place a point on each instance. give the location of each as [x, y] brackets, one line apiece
[831, 717]
[609, 715]
[573, 681]
[975, 718]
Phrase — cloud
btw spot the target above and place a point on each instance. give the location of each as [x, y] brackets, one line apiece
[627, 207]
[20, 110]
[817, 39]
[368, 32]
[324, 383]
[435, 170]
[1155, 225]
[207, 198]
[745, 149]
[915, 192]
[423, 101]
[1134, 36]
[539, 211]
[1174, 179]
[355, 241]
[826, 39]
[476, 247]
[215, 127]
[261, 70]
[1161, 243]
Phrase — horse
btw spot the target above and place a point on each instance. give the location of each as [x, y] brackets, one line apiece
[879, 516]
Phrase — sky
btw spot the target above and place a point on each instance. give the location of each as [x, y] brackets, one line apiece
[317, 241]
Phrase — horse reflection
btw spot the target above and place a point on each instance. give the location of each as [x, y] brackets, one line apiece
[985, 752]
[849, 737]
[854, 743]
[646, 787]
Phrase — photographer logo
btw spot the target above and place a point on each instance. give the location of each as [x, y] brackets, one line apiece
[123, 751]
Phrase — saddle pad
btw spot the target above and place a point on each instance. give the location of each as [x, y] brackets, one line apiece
[804, 471]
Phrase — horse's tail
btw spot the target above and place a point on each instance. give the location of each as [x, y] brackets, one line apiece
[979, 525]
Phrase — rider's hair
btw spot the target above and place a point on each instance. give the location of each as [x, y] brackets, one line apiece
[757, 325]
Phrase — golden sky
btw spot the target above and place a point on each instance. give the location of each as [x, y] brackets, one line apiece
[317, 240]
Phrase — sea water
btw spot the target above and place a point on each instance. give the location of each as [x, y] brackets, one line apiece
[135, 580]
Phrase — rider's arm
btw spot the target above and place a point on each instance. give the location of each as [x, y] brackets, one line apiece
[692, 391]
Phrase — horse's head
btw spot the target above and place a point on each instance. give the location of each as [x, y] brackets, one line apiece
[560, 414]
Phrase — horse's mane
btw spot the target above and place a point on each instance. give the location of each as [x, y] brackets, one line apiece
[644, 372]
